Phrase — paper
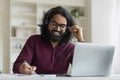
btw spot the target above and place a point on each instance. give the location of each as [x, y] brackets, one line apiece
[24, 77]
[47, 75]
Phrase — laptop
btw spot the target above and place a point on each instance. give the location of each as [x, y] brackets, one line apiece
[91, 59]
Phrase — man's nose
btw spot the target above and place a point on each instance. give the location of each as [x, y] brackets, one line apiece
[58, 28]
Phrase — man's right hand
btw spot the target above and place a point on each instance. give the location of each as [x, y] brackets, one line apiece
[25, 68]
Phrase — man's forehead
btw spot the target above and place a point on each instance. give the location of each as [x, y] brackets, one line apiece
[59, 17]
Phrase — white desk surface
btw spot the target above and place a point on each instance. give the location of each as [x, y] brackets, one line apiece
[38, 77]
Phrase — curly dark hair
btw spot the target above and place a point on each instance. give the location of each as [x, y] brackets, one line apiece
[48, 16]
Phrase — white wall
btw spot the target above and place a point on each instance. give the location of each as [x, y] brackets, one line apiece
[88, 21]
[4, 8]
[116, 37]
[0, 37]
[101, 18]
[103, 27]
[1, 46]
[0, 5]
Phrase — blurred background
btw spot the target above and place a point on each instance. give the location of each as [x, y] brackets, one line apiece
[99, 19]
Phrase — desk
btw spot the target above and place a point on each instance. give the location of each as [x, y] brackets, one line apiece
[38, 77]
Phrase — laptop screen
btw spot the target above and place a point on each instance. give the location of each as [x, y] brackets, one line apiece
[92, 59]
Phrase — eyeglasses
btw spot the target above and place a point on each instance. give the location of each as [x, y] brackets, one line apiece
[54, 24]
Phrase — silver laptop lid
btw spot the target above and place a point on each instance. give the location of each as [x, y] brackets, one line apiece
[92, 59]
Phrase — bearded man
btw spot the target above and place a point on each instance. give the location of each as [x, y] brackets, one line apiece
[51, 51]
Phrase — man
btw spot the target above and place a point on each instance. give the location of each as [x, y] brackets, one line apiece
[51, 52]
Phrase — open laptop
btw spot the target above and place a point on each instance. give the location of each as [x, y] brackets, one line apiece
[91, 59]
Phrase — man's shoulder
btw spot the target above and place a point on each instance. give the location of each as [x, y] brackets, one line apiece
[34, 36]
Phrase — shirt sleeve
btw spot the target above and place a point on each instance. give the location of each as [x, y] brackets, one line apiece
[25, 54]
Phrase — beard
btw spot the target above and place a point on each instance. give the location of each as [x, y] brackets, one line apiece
[55, 36]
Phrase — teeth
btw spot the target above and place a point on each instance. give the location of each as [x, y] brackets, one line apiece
[56, 33]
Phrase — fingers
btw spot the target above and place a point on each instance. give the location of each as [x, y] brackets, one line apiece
[34, 68]
[75, 28]
[77, 32]
[25, 68]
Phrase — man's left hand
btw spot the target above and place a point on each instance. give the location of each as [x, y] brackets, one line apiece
[77, 32]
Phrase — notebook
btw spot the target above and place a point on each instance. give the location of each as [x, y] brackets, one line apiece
[91, 59]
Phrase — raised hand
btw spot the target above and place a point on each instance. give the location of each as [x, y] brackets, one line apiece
[77, 32]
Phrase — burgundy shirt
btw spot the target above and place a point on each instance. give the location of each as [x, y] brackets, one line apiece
[39, 52]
